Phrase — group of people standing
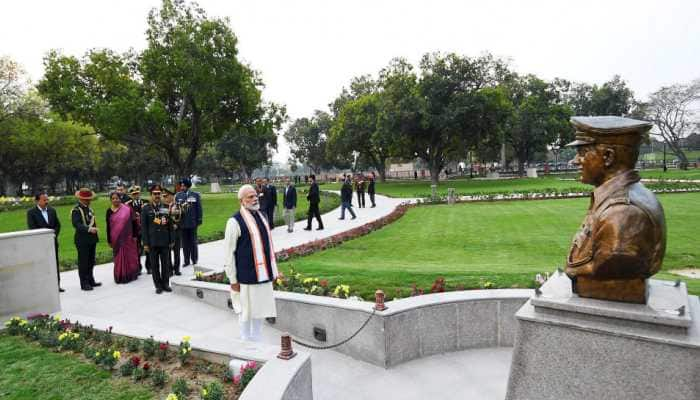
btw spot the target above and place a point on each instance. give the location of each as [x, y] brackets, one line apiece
[358, 184]
[157, 229]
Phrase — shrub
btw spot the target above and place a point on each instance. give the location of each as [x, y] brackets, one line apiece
[15, 326]
[248, 371]
[181, 389]
[159, 378]
[212, 391]
[133, 345]
[162, 351]
[127, 369]
[149, 347]
[185, 351]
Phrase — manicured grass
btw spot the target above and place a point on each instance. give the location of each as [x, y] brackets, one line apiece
[465, 186]
[671, 173]
[217, 209]
[30, 372]
[505, 243]
[691, 155]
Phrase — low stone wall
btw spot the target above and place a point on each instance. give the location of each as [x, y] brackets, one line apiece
[410, 328]
[282, 380]
[28, 281]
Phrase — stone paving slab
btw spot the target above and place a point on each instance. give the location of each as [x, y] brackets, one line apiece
[135, 309]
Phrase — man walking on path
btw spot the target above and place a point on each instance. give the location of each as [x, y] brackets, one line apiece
[191, 204]
[158, 239]
[371, 190]
[271, 203]
[43, 216]
[83, 219]
[314, 197]
[250, 265]
[346, 199]
[360, 189]
[289, 201]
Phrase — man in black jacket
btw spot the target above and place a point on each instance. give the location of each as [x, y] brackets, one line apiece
[83, 219]
[314, 197]
[43, 216]
[289, 201]
[271, 203]
[346, 199]
[371, 189]
[158, 239]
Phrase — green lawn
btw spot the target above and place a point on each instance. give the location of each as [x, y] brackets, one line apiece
[505, 243]
[421, 188]
[671, 173]
[691, 155]
[30, 372]
[217, 209]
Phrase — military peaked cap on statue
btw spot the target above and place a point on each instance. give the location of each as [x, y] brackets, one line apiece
[609, 130]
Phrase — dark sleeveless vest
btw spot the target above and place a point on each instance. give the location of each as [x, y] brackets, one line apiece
[243, 254]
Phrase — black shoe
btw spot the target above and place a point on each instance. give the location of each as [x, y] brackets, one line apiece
[353, 217]
[341, 219]
[373, 205]
[159, 291]
[86, 287]
[177, 273]
[148, 272]
[96, 284]
[186, 265]
[61, 290]
[168, 289]
[320, 228]
[307, 229]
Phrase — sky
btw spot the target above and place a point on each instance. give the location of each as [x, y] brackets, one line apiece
[306, 51]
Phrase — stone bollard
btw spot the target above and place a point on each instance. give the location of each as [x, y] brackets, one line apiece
[286, 352]
[379, 300]
[451, 198]
[433, 193]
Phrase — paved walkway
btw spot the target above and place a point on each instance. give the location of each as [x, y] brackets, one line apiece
[135, 309]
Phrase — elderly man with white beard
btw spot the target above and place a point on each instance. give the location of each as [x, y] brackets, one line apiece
[250, 265]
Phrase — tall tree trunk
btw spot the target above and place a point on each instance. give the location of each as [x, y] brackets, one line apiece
[382, 173]
[435, 168]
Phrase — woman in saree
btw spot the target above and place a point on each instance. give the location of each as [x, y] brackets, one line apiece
[121, 236]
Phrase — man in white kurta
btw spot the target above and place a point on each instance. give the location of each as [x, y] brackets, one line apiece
[252, 301]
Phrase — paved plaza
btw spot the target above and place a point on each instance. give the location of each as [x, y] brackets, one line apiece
[135, 309]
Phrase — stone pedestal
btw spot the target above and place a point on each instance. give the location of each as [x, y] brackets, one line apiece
[568, 347]
[532, 172]
[215, 187]
[28, 281]
[493, 175]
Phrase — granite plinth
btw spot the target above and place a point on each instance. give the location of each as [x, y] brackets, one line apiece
[565, 350]
[667, 302]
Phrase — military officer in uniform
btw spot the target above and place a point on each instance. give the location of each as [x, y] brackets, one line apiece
[83, 219]
[136, 204]
[175, 211]
[191, 204]
[157, 234]
[622, 240]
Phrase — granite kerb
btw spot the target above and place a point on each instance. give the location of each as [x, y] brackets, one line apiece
[404, 331]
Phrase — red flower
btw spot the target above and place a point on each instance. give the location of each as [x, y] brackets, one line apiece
[323, 283]
[146, 366]
[163, 346]
[135, 361]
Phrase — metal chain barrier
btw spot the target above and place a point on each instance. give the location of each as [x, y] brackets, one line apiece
[311, 346]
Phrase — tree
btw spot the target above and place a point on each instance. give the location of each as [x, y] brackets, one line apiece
[613, 98]
[670, 109]
[308, 138]
[183, 91]
[538, 119]
[248, 147]
[440, 114]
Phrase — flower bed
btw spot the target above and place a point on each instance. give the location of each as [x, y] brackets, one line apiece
[170, 370]
[13, 203]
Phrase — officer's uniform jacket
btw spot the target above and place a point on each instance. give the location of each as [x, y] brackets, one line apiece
[156, 226]
[83, 218]
[624, 227]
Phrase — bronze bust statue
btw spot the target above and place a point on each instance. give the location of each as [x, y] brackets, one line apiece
[622, 240]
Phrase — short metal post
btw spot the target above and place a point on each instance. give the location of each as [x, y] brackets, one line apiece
[286, 351]
[379, 300]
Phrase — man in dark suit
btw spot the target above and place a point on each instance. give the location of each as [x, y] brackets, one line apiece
[43, 216]
[289, 201]
[83, 219]
[191, 203]
[371, 189]
[158, 239]
[314, 198]
[271, 194]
